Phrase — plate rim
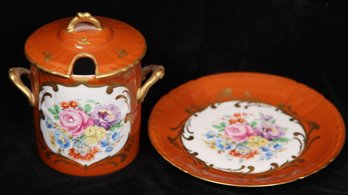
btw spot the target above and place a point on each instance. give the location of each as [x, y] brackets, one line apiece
[328, 103]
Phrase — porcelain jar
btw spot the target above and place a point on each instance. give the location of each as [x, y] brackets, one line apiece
[86, 90]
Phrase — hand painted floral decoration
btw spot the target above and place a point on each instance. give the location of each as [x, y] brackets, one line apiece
[246, 136]
[84, 130]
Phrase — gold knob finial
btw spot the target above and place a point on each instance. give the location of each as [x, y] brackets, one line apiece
[84, 17]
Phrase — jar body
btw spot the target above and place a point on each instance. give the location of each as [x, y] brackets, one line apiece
[86, 126]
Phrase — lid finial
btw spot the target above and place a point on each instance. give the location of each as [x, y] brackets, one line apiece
[84, 17]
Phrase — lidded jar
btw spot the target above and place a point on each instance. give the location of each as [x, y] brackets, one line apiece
[86, 90]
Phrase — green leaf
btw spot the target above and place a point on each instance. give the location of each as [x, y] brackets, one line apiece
[81, 138]
[253, 124]
[112, 129]
[116, 126]
[217, 127]
[56, 116]
[87, 108]
[283, 139]
[56, 108]
[52, 111]
[223, 124]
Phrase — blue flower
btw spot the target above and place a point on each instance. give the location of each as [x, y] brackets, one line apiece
[223, 144]
[210, 134]
[115, 135]
[61, 139]
[277, 146]
[49, 123]
[104, 143]
[109, 149]
[264, 149]
[269, 154]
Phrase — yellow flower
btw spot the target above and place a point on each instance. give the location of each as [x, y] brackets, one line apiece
[262, 141]
[52, 140]
[257, 141]
[90, 131]
[100, 132]
[94, 134]
[91, 140]
[253, 145]
[253, 139]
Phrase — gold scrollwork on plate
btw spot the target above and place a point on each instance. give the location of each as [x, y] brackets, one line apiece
[305, 139]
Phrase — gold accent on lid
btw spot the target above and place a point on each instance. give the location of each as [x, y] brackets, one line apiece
[47, 55]
[97, 76]
[83, 17]
[83, 41]
[121, 53]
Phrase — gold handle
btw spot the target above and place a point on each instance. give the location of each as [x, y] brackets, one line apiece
[15, 75]
[84, 17]
[157, 73]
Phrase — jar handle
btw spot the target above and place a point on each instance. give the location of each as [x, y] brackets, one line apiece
[157, 73]
[15, 76]
[84, 17]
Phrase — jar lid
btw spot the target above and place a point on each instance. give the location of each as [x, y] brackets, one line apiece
[113, 45]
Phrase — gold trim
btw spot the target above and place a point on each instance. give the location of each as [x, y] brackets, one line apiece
[84, 17]
[112, 73]
[97, 76]
[83, 41]
[15, 76]
[121, 53]
[78, 56]
[231, 184]
[122, 153]
[183, 128]
[47, 55]
[181, 168]
[44, 69]
[82, 78]
[167, 157]
[55, 86]
[157, 73]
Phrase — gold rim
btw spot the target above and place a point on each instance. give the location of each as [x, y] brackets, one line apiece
[160, 150]
[251, 185]
[97, 76]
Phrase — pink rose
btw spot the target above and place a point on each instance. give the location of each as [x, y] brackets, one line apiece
[239, 132]
[74, 121]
